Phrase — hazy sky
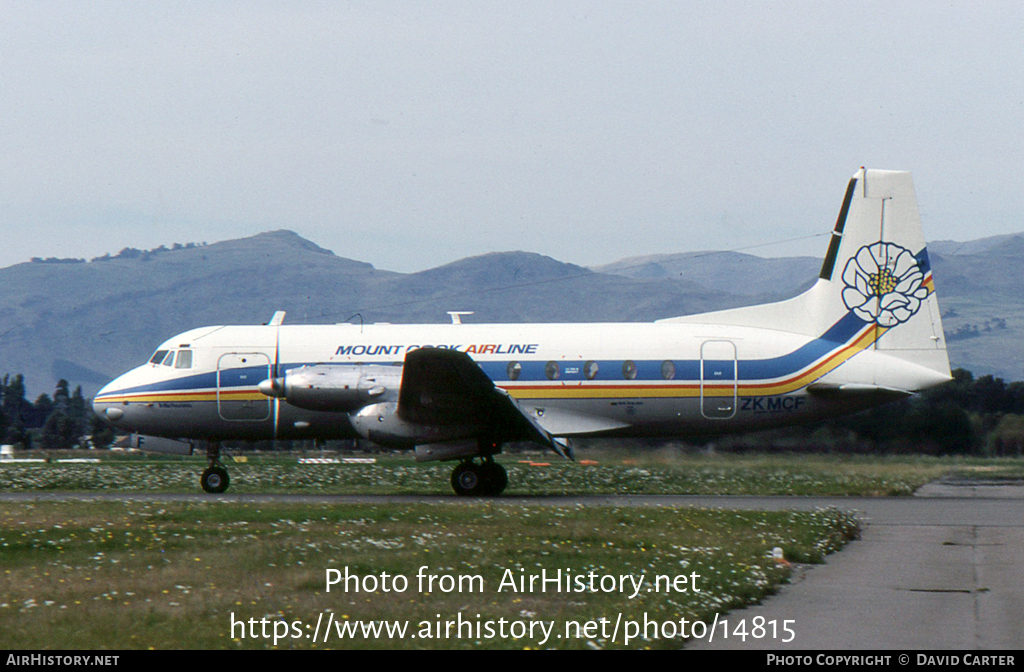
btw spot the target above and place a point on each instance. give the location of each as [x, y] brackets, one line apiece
[410, 134]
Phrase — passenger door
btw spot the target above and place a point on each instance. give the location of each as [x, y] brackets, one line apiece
[238, 374]
[718, 380]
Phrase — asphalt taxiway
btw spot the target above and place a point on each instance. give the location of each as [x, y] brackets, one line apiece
[942, 570]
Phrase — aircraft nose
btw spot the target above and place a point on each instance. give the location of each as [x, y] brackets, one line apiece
[104, 408]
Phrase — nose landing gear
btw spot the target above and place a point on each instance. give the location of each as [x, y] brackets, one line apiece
[484, 479]
[215, 477]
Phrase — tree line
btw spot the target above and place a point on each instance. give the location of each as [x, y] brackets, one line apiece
[966, 416]
[59, 422]
[126, 253]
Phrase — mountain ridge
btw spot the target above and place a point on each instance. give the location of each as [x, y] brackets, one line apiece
[90, 321]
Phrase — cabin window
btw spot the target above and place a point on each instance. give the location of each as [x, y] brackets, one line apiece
[629, 369]
[184, 360]
[551, 370]
[169, 359]
[158, 357]
[668, 369]
[513, 370]
[590, 370]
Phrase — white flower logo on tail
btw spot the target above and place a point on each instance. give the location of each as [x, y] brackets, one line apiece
[884, 284]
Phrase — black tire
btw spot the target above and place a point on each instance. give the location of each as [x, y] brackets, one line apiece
[495, 478]
[215, 480]
[468, 480]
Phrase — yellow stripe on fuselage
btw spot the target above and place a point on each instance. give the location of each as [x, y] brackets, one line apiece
[582, 390]
[181, 396]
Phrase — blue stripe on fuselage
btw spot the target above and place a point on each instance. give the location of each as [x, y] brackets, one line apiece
[748, 369]
[777, 367]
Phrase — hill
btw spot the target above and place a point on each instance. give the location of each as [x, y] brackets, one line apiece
[732, 272]
[88, 321]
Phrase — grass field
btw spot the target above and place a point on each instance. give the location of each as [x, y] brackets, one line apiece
[125, 575]
[664, 472]
[117, 575]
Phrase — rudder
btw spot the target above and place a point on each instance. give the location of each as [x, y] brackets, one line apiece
[876, 272]
[877, 267]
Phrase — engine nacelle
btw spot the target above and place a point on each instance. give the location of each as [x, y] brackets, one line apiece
[380, 423]
[334, 387]
[454, 450]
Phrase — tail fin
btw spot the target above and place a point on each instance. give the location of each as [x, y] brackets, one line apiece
[876, 271]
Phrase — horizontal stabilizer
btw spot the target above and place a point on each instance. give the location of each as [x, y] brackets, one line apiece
[856, 390]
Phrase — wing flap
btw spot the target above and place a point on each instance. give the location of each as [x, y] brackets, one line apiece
[565, 423]
[535, 430]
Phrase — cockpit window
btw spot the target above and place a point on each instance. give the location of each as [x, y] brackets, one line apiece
[184, 359]
[169, 359]
[158, 357]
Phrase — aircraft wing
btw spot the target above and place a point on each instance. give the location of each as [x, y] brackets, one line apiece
[446, 387]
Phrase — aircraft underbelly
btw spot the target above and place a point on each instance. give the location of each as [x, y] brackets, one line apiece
[676, 416]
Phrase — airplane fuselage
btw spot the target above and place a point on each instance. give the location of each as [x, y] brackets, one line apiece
[868, 331]
[614, 379]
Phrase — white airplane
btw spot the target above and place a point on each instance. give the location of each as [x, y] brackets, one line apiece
[866, 333]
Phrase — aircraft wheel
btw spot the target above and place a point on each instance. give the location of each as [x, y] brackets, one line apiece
[468, 480]
[495, 478]
[215, 480]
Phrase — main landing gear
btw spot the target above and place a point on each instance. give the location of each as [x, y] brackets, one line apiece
[484, 479]
[215, 478]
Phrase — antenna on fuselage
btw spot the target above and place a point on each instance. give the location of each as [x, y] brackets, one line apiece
[456, 315]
